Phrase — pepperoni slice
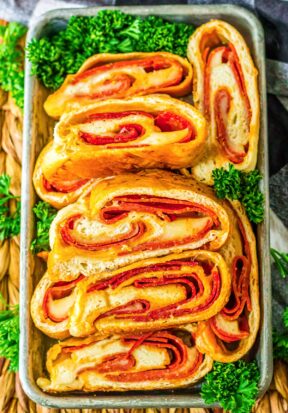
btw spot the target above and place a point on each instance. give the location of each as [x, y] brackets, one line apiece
[66, 233]
[165, 208]
[214, 50]
[222, 107]
[173, 272]
[241, 267]
[149, 65]
[168, 122]
[222, 329]
[63, 186]
[184, 361]
[59, 290]
[127, 133]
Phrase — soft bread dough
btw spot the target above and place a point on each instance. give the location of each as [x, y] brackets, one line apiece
[83, 307]
[67, 97]
[56, 199]
[70, 156]
[221, 77]
[70, 371]
[206, 341]
[69, 261]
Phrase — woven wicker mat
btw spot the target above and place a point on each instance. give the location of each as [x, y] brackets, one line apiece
[12, 397]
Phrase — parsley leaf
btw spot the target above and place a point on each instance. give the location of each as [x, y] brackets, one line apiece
[227, 183]
[233, 385]
[45, 214]
[9, 221]
[280, 340]
[9, 334]
[234, 184]
[285, 317]
[281, 261]
[12, 57]
[110, 31]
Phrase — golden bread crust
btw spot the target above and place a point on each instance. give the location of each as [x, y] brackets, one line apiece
[70, 155]
[206, 341]
[63, 100]
[69, 261]
[77, 369]
[91, 309]
[55, 198]
[221, 78]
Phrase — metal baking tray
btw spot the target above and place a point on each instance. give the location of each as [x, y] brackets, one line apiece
[38, 129]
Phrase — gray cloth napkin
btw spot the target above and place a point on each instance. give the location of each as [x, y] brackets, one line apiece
[279, 204]
[22, 10]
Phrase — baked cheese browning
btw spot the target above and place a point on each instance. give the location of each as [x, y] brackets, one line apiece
[115, 136]
[164, 294]
[152, 294]
[182, 219]
[131, 217]
[118, 129]
[232, 332]
[64, 186]
[58, 192]
[165, 359]
[105, 76]
[231, 324]
[51, 303]
[57, 300]
[213, 58]
[225, 90]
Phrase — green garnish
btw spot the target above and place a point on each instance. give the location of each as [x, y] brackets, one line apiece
[9, 334]
[12, 57]
[285, 317]
[233, 184]
[280, 340]
[233, 385]
[281, 261]
[110, 31]
[9, 221]
[45, 214]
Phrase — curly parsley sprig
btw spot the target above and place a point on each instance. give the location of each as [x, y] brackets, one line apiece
[233, 385]
[9, 334]
[12, 61]
[281, 261]
[44, 214]
[110, 31]
[234, 184]
[280, 340]
[9, 221]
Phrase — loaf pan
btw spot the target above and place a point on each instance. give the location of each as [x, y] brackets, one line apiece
[37, 131]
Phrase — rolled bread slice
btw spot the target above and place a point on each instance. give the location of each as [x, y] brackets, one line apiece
[128, 217]
[230, 334]
[105, 76]
[152, 294]
[62, 192]
[114, 136]
[225, 90]
[158, 360]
